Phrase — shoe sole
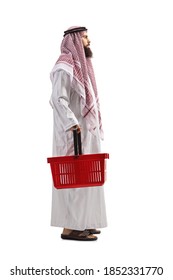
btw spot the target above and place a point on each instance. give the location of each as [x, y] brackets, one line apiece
[68, 237]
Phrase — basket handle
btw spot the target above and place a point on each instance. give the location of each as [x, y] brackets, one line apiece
[77, 142]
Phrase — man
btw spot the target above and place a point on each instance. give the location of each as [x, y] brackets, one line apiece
[75, 105]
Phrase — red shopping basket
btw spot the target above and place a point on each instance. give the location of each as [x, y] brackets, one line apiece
[78, 171]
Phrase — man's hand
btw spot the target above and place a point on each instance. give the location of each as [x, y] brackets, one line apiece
[76, 127]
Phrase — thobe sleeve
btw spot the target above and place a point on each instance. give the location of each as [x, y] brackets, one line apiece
[61, 99]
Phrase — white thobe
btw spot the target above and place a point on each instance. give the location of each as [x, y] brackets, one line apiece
[74, 208]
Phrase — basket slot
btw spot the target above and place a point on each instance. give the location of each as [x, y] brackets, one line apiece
[99, 174]
[94, 172]
[67, 173]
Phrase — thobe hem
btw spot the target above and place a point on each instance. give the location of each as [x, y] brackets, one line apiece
[79, 228]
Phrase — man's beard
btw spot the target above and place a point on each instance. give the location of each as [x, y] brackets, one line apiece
[88, 52]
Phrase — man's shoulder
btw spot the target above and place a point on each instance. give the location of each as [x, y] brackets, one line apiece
[63, 68]
[65, 58]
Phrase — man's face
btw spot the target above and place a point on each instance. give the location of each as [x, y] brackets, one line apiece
[86, 44]
[85, 40]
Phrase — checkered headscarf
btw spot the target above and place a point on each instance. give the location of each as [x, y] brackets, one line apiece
[73, 56]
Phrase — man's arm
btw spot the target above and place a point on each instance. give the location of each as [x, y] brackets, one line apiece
[61, 100]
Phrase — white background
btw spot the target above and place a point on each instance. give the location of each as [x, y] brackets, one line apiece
[133, 60]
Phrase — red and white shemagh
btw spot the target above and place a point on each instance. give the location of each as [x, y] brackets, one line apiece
[73, 55]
